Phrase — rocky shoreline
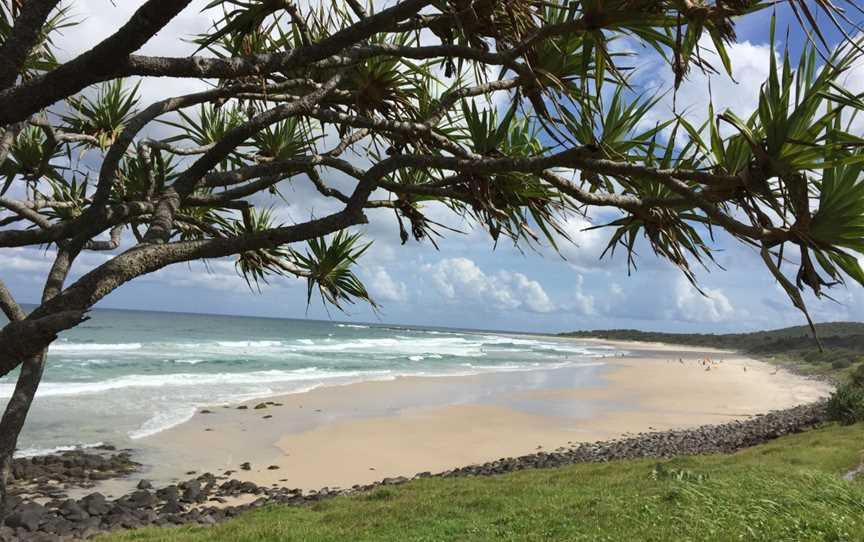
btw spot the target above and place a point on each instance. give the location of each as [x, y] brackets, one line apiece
[40, 510]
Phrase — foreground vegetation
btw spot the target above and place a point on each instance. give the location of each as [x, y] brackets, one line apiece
[842, 342]
[789, 489]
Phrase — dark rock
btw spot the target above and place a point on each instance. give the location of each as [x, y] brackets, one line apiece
[205, 411]
[73, 511]
[27, 515]
[260, 406]
[192, 491]
[273, 467]
[95, 504]
[168, 493]
[142, 499]
[144, 484]
[242, 407]
[246, 466]
[171, 507]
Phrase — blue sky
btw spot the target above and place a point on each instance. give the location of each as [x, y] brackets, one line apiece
[467, 283]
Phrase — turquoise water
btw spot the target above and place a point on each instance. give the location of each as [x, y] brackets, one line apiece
[124, 375]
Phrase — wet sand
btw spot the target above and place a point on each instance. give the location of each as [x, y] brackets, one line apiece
[360, 433]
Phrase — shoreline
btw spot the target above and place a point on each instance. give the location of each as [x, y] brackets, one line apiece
[209, 499]
[409, 424]
[659, 402]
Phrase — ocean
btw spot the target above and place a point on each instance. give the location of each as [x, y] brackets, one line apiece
[125, 375]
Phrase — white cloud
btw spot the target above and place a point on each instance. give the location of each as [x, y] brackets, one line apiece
[740, 93]
[383, 288]
[582, 303]
[585, 246]
[460, 280]
[691, 306]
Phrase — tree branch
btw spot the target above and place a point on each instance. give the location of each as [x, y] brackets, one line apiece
[110, 59]
[95, 65]
[22, 38]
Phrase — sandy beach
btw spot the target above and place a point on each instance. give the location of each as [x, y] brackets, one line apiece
[360, 433]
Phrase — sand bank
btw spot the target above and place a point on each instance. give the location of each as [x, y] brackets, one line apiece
[356, 434]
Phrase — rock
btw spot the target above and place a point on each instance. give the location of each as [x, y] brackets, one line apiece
[242, 407]
[192, 491]
[73, 511]
[144, 484]
[168, 493]
[246, 466]
[205, 411]
[273, 467]
[95, 504]
[28, 515]
[171, 507]
[267, 417]
[260, 406]
[142, 499]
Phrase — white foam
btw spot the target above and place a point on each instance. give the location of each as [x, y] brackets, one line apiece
[160, 421]
[189, 361]
[33, 452]
[409, 346]
[353, 326]
[416, 358]
[89, 347]
[248, 344]
[55, 389]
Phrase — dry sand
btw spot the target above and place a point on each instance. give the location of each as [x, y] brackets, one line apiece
[341, 436]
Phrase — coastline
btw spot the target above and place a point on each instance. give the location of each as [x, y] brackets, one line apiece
[660, 402]
[355, 434]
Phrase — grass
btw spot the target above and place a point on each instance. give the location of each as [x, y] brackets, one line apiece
[786, 490]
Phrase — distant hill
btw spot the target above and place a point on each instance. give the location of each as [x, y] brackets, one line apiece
[843, 342]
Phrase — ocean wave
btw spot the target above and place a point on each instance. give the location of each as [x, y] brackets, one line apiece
[89, 347]
[33, 452]
[162, 421]
[56, 389]
[353, 326]
[452, 346]
[248, 344]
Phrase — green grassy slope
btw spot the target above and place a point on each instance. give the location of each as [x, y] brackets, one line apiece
[790, 489]
[843, 343]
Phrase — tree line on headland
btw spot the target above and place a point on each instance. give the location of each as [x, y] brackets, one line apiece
[842, 342]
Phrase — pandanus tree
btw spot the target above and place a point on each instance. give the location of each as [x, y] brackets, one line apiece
[512, 114]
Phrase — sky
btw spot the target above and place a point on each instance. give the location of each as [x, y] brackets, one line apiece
[470, 282]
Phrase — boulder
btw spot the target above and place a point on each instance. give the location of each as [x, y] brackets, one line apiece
[27, 515]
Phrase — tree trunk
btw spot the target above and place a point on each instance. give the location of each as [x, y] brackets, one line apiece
[13, 421]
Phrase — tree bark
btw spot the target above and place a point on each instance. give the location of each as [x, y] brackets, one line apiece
[13, 421]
